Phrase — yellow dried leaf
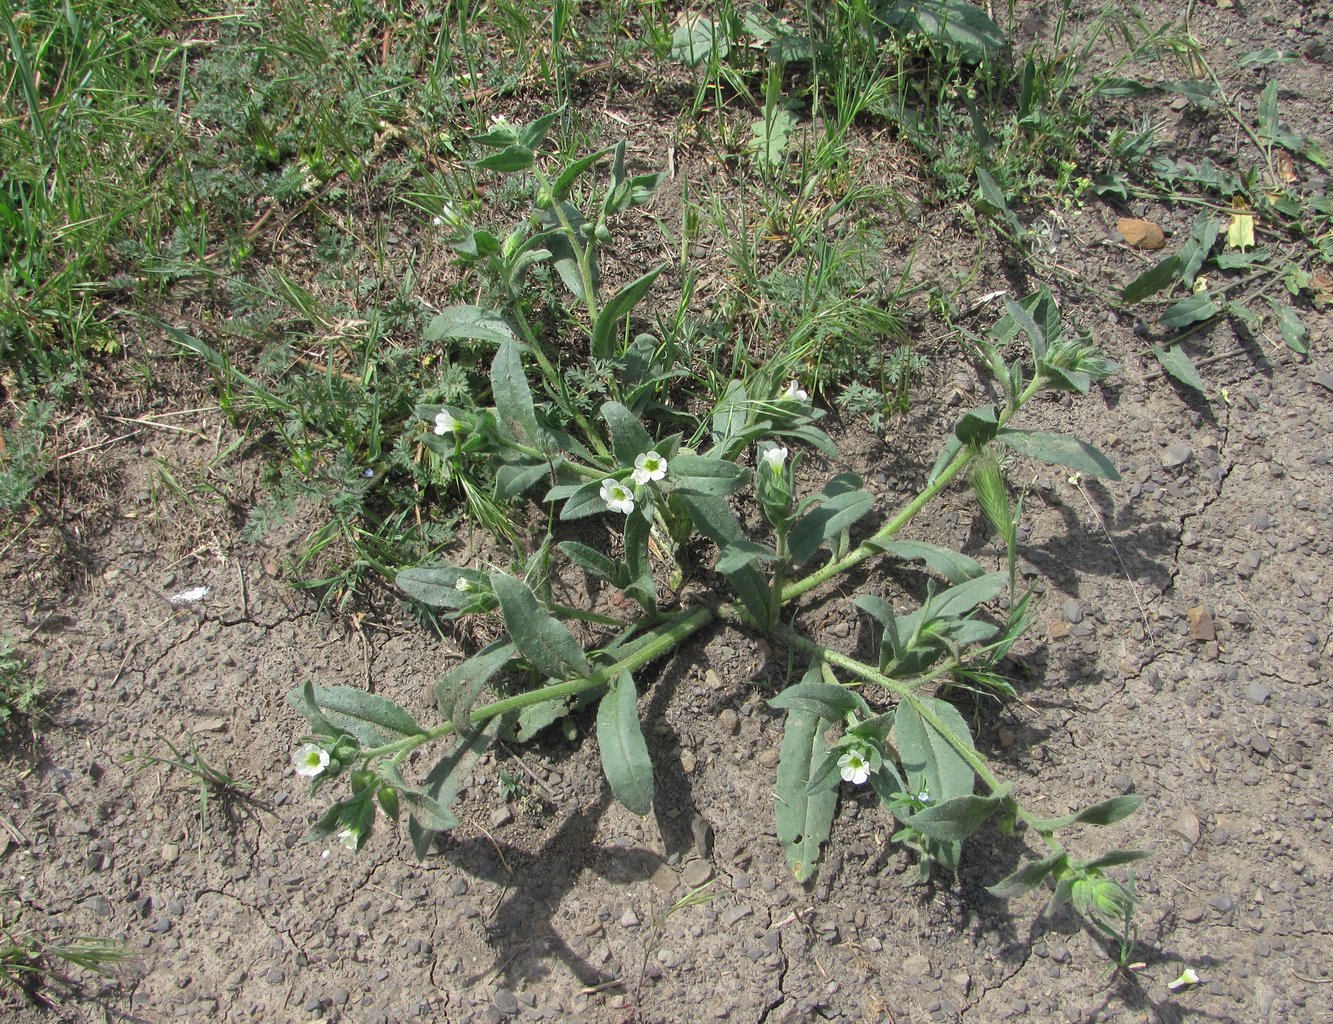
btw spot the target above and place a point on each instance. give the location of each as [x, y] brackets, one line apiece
[1141, 234]
[1240, 235]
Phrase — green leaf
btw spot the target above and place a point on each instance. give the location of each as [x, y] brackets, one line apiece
[1152, 280]
[628, 438]
[817, 697]
[589, 560]
[370, 718]
[548, 646]
[1293, 332]
[473, 323]
[562, 249]
[585, 501]
[954, 820]
[1180, 366]
[606, 331]
[462, 685]
[961, 599]
[1115, 859]
[738, 554]
[928, 754]
[978, 427]
[816, 527]
[1027, 877]
[952, 565]
[696, 39]
[699, 474]
[1203, 236]
[991, 192]
[955, 23]
[533, 134]
[1203, 93]
[448, 775]
[1199, 306]
[1023, 319]
[302, 699]
[803, 819]
[1108, 812]
[769, 136]
[513, 398]
[429, 814]
[508, 160]
[715, 520]
[625, 758]
[1062, 450]
[512, 479]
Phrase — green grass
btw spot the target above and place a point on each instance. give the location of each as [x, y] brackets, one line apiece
[263, 178]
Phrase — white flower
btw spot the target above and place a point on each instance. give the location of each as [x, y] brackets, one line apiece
[1187, 977]
[854, 766]
[349, 837]
[464, 585]
[437, 221]
[617, 496]
[446, 424]
[649, 466]
[447, 215]
[923, 797]
[310, 760]
[795, 393]
[774, 458]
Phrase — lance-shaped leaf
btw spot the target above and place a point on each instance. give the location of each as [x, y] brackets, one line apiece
[628, 438]
[512, 479]
[699, 474]
[513, 397]
[605, 331]
[836, 514]
[1061, 449]
[372, 719]
[1108, 812]
[954, 820]
[586, 500]
[926, 753]
[462, 685]
[717, 522]
[1152, 280]
[1180, 366]
[1028, 876]
[429, 814]
[825, 700]
[978, 427]
[302, 699]
[438, 585]
[444, 780]
[1199, 306]
[1023, 319]
[590, 560]
[803, 819]
[563, 183]
[1115, 859]
[548, 646]
[507, 160]
[625, 758]
[963, 598]
[473, 323]
[954, 566]
[562, 249]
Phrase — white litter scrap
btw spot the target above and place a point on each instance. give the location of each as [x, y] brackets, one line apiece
[190, 596]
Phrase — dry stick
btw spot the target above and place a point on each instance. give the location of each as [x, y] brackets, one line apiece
[531, 774]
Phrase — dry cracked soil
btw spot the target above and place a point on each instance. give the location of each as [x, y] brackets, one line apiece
[1182, 653]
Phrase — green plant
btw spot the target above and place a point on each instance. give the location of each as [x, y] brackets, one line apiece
[214, 784]
[666, 475]
[1261, 246]
[19, 688]
[28, 958]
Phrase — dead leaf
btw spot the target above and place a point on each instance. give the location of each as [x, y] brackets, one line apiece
[1322, 282]
[1225, 5]
[1286, 168]
[1200, 618]
[1141, 234]
[1240, 235]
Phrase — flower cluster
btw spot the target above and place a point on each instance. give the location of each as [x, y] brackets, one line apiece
[648, 468]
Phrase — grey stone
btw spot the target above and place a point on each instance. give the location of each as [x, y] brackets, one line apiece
[505, 1002]
[1257, 693]
[1177, 453]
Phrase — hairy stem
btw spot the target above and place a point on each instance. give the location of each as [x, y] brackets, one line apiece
[665, 638]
